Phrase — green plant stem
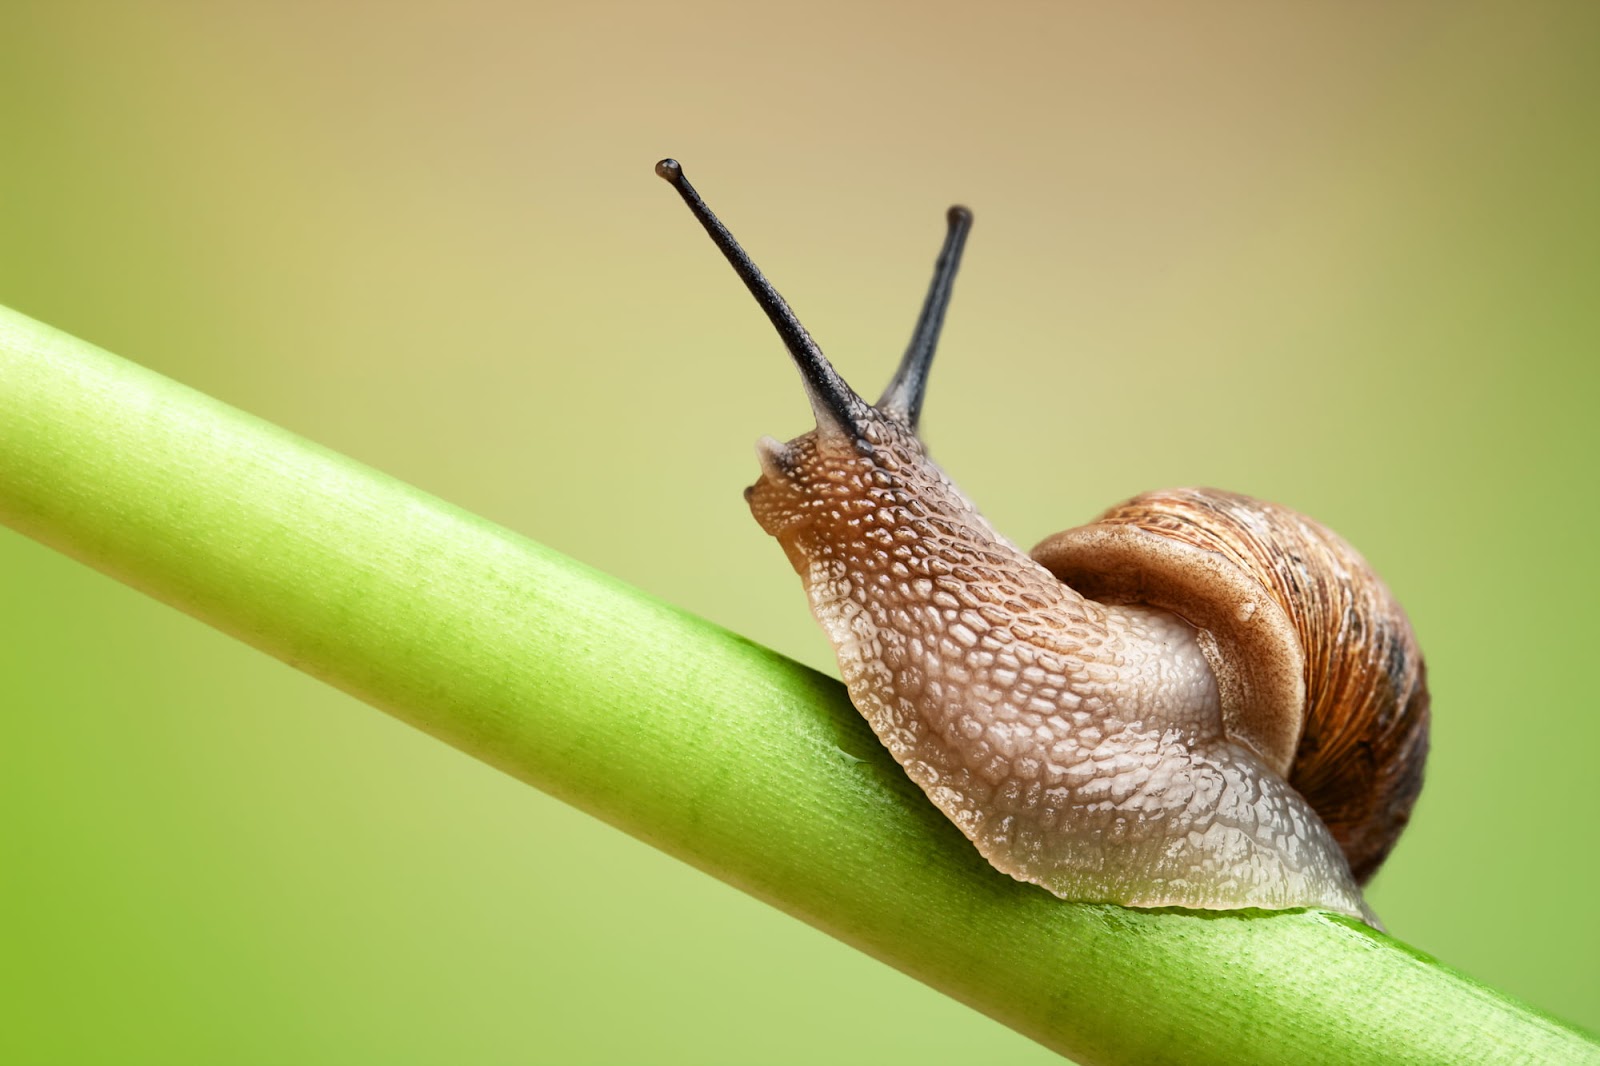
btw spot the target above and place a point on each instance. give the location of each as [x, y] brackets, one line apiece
[725, 754]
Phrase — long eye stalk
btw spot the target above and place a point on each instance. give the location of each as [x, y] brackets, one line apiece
[903, 397]
[834, 403]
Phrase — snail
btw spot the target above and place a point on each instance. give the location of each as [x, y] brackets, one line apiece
[1197, 700]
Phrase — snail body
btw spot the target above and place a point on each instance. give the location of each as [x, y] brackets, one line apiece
[1198, 700]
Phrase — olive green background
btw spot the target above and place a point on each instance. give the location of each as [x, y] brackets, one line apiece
[1342, 256]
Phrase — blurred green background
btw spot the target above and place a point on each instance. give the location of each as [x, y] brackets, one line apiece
[1342, 256]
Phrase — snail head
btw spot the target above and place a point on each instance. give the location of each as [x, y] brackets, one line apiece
[860, 455]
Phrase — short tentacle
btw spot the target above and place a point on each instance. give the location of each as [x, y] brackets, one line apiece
[903, 398]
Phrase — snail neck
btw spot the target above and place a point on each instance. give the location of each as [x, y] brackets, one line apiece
[945, 624]
[874, 516]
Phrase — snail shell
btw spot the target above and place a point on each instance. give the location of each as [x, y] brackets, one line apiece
[1317, 664]
[1198, 700]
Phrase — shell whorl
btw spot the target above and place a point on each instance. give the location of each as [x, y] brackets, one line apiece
[1360, 737]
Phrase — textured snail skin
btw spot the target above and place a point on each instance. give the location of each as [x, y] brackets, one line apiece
[1079, 745]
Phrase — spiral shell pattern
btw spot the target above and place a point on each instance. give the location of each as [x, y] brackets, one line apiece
[1364, 733]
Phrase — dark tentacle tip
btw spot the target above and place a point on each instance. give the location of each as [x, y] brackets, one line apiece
[669, 169]
[957, 215]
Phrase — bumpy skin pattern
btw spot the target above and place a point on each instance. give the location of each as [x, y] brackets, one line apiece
[1078, 745]
[1365, 741]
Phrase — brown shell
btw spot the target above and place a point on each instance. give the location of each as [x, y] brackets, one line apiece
[1313, 654]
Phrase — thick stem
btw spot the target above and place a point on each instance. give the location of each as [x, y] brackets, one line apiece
[720, 752]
